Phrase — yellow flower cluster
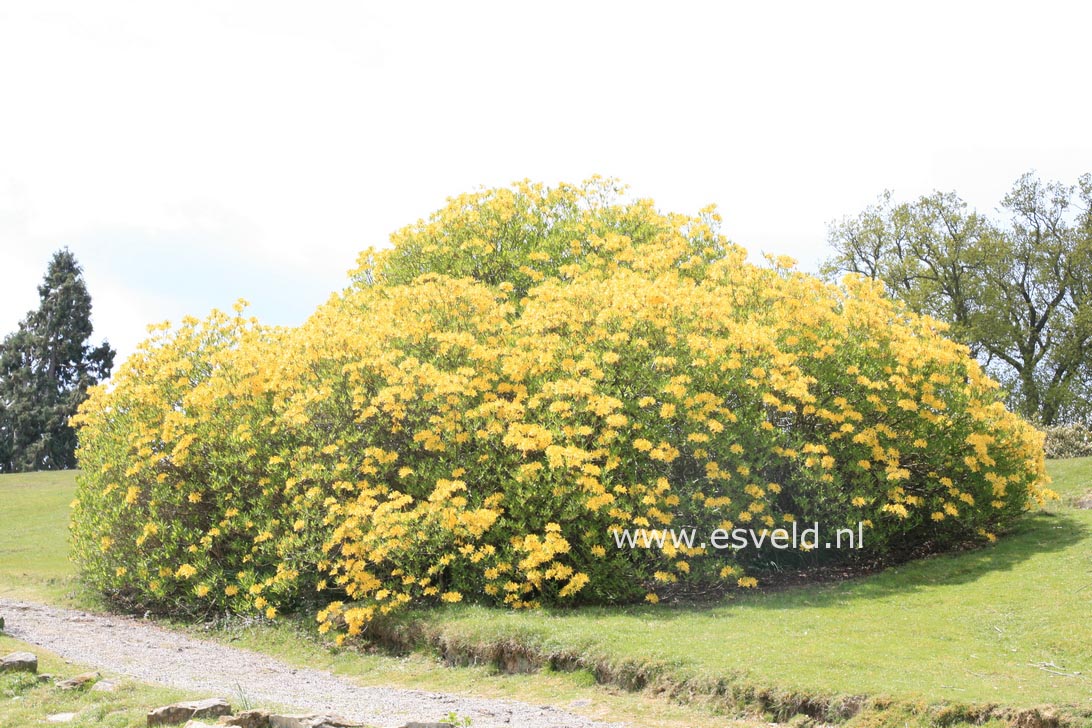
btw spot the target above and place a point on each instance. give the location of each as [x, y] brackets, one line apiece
[519, 377]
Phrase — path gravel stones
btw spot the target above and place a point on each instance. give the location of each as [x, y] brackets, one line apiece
[147, 652]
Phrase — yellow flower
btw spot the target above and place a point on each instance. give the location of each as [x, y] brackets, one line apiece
[550, 375]
[574, 585]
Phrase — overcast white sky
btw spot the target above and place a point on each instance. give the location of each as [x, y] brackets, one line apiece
[193, 153]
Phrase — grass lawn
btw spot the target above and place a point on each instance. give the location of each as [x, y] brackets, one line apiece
[34, 536]
[1009, 624]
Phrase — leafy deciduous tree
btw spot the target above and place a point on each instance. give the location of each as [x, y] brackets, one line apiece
[1018, 292]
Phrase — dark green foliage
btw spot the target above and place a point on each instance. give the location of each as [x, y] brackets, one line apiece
[46, 367]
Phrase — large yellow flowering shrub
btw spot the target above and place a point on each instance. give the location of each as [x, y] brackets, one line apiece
[520, 375]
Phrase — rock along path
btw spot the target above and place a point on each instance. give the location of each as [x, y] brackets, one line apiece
[150, 653]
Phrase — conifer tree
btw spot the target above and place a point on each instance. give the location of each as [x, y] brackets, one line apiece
[46, 367]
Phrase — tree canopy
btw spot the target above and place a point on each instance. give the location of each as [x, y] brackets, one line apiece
[46, 367]
[1016, 290]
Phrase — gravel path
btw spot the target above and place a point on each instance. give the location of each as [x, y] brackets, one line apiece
[147, 652]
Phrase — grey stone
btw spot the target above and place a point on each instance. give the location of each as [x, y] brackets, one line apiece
[181, 712]
[61, 717]
[290, 721]
[79, 681]
[19, 662]
[105, 686]
[311, 721]
[249, 719]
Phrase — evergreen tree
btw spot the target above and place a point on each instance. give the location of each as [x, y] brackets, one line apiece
[46, 367]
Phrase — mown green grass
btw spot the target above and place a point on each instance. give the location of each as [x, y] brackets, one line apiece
[989, 626]
[34, 510]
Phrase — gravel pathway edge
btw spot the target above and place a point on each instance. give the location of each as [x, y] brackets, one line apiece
[151, 653]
